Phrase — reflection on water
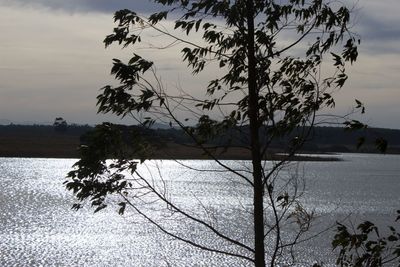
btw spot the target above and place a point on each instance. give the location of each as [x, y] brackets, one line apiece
[38, 228]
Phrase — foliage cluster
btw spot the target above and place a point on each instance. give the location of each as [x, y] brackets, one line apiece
[366, 246]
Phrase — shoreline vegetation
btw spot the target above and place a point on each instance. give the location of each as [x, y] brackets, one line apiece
[42, 141]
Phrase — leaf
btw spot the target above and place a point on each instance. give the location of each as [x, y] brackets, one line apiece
[76, 206]
[360, 105]
[341, 79]
[156, 17]
[198, 23]
[122, 208]
[354, 125]
[99, 208]
[337, 59]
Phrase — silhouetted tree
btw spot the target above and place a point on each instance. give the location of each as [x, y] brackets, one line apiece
[270, 54]
[60, 125]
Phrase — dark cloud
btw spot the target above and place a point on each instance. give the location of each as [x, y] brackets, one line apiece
[379, 35]
[106, 6]
[380, 29]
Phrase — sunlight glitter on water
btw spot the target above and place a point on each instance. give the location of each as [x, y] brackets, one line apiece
[38, 228]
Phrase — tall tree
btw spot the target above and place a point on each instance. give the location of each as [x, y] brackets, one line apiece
[270, 54]
[60, 125]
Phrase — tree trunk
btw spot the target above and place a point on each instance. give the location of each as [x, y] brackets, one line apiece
[255, 143]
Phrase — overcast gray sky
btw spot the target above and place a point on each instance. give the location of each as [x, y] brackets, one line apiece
[53, 62]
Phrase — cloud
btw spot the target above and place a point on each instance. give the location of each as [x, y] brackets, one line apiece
[53, 60]
[379, 35]
[377, 24]
[72, 6]
[379, 30]
[54, 63]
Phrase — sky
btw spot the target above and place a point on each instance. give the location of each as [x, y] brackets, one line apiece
[53, 61]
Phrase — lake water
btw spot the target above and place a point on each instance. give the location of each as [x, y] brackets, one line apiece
[38, 227]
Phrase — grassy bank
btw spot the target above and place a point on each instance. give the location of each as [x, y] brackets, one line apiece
[39, 145]
[44, 141]
[59, 145]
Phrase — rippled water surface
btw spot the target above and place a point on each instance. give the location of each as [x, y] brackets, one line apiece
[38, 228]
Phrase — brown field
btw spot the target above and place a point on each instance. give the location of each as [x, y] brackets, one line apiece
[45, 145]
[58, 145]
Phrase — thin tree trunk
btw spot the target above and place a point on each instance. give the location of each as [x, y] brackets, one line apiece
[255, 143]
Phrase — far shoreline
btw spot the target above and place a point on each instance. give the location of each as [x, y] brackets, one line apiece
[39, 141]
[185, 154]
